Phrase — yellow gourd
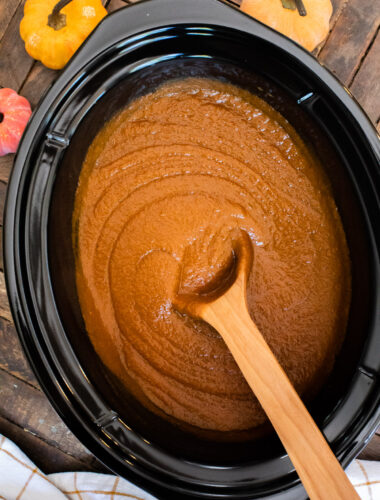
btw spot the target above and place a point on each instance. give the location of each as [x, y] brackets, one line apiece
[53, 31]
[304, 21]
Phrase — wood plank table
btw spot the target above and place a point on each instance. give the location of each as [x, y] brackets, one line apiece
[351, 51]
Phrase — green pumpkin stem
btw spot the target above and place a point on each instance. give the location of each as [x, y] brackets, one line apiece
[293, 5]
[56, 19]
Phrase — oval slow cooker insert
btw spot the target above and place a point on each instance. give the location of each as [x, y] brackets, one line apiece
[130, 54]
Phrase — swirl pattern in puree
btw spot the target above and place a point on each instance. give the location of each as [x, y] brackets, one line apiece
[163, 185]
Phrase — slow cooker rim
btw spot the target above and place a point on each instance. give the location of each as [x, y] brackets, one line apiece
[14, 268]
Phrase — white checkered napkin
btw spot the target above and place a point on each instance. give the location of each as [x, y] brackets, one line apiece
[91, 486]
[365, 476]
[21, 480]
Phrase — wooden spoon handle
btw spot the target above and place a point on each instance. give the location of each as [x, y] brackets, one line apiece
[317, 466]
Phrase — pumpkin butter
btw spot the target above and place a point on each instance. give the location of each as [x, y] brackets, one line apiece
[162, 188]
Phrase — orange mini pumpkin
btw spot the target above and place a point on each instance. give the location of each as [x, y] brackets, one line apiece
[53, 31]
[304, 21]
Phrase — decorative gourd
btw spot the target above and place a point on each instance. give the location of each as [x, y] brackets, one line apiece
[15, 112]
[53, 31]
[304, 21]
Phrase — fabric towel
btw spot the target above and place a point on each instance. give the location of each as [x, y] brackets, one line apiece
[20, 479]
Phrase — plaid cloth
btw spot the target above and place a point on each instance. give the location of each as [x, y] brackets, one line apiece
[20, 479]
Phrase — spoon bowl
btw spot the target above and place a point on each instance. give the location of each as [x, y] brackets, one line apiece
[238, 267]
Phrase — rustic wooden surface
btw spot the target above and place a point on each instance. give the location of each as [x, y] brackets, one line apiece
[351, 51]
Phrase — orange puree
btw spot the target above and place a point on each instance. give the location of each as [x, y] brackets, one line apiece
[163, 185]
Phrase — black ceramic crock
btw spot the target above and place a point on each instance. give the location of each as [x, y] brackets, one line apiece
[130, 53]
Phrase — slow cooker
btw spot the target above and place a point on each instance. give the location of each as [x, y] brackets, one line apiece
[130, 53]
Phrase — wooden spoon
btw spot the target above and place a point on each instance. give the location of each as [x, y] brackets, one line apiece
[225, 308]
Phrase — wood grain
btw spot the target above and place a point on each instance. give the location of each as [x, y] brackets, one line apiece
[371, 452]
[352, 35]
[1, 251]
[22, 399]
[7, 10]
[366, 84]
[117, 4]
[47, 457]
[15, 63]
[4, 305]
[6, 163]
[39, 80]
[338, 6]
[3, 190]
[12, 358]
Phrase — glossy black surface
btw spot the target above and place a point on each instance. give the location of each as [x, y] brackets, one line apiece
[130, 53]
